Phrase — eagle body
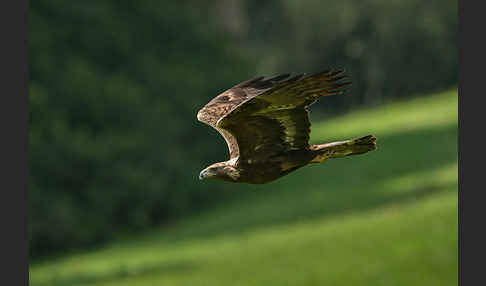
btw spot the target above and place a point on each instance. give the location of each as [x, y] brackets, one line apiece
[260, 172]
[265, 122]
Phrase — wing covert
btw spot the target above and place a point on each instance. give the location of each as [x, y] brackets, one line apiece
[229, 100]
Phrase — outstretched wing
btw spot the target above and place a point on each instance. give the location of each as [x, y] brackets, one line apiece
[276, 120]
[227, 101]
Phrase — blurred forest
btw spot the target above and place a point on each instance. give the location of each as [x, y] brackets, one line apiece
[115, 86]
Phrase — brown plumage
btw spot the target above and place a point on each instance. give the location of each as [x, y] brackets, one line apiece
[265, 123]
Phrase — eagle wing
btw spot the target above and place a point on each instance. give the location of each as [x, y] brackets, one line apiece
[276, 119]
[227, 101]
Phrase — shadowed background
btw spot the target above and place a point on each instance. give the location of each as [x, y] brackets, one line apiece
[115, 147]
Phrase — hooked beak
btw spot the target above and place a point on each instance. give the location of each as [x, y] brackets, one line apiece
[204, 174]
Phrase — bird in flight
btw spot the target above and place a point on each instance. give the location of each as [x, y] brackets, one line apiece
[265, 122]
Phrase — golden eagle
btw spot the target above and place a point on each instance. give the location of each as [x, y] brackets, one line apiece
[265, 122]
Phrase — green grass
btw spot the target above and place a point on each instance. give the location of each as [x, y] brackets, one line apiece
[385, 218]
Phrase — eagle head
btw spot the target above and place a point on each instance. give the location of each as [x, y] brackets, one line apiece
[222, 171]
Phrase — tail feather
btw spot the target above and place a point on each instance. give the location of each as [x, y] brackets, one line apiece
[343, 148]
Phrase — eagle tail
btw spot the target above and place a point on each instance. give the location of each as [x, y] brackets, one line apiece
[343, 148]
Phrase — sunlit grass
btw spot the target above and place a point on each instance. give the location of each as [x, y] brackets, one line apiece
[419, 113]
[385, 218]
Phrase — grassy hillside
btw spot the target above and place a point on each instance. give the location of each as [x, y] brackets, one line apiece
[385, 218]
